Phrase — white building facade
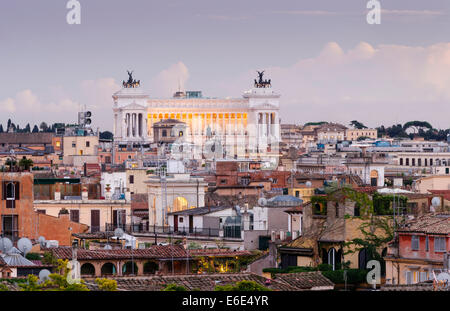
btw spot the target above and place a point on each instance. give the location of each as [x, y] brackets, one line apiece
[243, 127]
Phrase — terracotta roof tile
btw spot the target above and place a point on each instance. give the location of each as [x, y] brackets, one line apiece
[305, 280]
[433, 223]
[203, 282]
[155, 252]
[219, 252]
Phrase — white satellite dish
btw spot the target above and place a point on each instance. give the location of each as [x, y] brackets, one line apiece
[42, 241]
[5, 244]
[262, 201]
[308, 184]
[436, 201]
[24, 245]
[107, 246]
[118, 232]
[44, 275]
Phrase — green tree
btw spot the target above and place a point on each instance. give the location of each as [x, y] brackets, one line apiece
[32, 284]
[43, 127]
[26, 164]
[35, 129]
[106, 284]
[357, 125]
[174, 288]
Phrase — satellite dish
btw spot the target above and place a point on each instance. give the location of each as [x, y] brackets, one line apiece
[107, 246]
[118, 232]
[436, 201]
[44, 275]
[42, 241]
[24, 245]
[308, 184]
[262, 201]
[5, 244]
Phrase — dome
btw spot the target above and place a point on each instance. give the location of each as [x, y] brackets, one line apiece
[284, 200]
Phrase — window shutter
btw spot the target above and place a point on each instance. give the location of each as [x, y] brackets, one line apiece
[17, 190]
[4, 190]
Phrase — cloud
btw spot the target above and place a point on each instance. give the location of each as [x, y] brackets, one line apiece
[8, 105]
[59, 106]
[170, 80]
[381, 84]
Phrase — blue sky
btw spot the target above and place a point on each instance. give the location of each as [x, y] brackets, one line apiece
[323, 57]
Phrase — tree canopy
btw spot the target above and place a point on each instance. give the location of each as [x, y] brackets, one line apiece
[357, 125]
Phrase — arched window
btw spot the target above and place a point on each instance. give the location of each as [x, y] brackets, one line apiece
[108, 269]
[357, 210]
[339, 259]
[363, 258]
[87, 269]
[150, 267]
[332, 258]
[130, 268]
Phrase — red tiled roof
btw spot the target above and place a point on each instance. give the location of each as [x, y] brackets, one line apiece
[305, 280]
[202, 282]
[216, 252]
[435, 223]
[154, 252]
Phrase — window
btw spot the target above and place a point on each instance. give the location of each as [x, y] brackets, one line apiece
[407, 162]
[164, 133]
[413, 162]
[88, 143]
[131, 179]
[415, 243]
[74, 215]
[297, 194]
[11, 193]
[10, 226]
[41, 211]
[408, 277]
[223, 181]
[181, 219]
[401, 161]
[439, 244]
[423, 276]
[427, 244]
[74, 145]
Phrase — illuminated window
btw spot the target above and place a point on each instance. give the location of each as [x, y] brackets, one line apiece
[179, 204]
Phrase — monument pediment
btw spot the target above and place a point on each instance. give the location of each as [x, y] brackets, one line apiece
[133, 106]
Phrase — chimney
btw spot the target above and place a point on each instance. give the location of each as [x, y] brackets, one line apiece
[84, 193]
[57, 192]
[64, 214]
[127, 195]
